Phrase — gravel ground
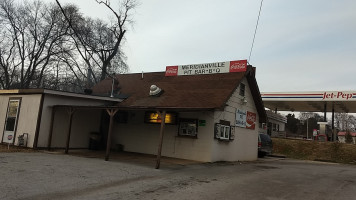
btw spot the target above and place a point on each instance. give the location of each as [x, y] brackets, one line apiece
[58, 176]
[41, 175]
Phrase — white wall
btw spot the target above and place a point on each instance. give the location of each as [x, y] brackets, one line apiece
[244, 145]
[84, 122]
[137, 136]
[4, 100]
[342, 139]
[27, 118]
[281, 127]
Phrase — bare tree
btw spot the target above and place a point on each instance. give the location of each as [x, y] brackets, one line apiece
[35, 35]
[8, 63]
[345, 121]
[43, 45]
[99, 43]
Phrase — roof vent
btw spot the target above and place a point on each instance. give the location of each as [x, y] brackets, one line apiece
[155, 91]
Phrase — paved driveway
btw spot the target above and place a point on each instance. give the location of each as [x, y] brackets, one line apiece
[58, 176]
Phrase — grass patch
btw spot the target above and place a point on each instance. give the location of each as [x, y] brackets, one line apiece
[313, 150]
[12, 148]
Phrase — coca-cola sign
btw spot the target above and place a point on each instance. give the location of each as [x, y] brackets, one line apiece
[207, 68]
[250, 120]
[238, 66]
[171, 70]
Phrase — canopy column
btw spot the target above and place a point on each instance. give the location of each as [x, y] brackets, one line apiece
[332, 122]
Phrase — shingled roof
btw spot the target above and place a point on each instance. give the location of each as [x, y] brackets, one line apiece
[200, 92]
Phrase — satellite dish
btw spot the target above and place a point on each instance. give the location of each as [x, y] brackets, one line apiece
[154, 90]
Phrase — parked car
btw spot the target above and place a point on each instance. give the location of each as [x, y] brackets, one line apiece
[265, 145]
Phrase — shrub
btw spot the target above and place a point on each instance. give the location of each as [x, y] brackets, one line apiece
[348, 137]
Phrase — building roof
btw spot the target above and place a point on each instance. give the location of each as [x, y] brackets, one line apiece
[58, 93]
[276, 116]
[353, 134]
[198, 92]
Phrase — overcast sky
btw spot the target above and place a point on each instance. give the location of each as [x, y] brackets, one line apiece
[301, 45]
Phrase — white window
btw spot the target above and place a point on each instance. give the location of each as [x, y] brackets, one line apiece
[222, 132]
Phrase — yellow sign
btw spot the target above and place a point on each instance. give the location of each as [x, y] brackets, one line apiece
[153, 117]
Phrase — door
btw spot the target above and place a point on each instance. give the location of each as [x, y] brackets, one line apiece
[11, 121]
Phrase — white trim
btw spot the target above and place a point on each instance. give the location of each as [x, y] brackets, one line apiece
[68, 94]
[59, 93]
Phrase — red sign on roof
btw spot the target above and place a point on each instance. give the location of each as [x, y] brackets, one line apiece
[171, 70]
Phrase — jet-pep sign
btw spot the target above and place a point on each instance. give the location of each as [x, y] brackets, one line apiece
[337, 95]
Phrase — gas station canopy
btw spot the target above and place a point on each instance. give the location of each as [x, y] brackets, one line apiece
[316, 101]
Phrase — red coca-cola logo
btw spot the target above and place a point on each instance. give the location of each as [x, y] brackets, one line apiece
[171, 70]
[250, 120]
[238, 66]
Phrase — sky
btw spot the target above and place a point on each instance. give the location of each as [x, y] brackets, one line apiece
[300, 45]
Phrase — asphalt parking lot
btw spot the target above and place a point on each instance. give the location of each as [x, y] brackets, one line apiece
[57, 176]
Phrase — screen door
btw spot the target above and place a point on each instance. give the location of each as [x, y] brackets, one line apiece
[11, 121]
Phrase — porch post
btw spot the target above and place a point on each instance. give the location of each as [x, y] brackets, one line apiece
[111, 113]
[70, 112]
[51, 129]
[163, 120]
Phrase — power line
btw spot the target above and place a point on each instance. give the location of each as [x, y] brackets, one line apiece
[254, 35]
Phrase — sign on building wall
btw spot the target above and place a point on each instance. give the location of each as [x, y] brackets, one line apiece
[207, 68]
[250, 120]
[240, 118]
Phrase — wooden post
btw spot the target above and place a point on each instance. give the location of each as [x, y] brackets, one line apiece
[163, 120]
[70, 112]
[111, 112]
[51, 129]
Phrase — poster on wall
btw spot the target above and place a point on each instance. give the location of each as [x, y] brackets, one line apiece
[8, 137]
[240, 118]
[250, 120]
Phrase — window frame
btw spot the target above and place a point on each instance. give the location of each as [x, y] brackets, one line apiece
[19, 99]
[188, 125]
[242, 91]
[222, 136]
[274, 127]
